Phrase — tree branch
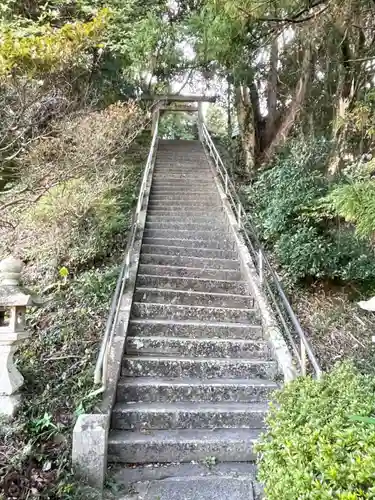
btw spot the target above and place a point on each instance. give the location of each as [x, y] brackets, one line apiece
[295, 17]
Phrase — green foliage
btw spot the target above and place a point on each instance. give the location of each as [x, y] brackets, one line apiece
[177, 125]
[354, 199]
[215, 120]
[291, 211]
[313, 449]
[286, 192]
[49, 49]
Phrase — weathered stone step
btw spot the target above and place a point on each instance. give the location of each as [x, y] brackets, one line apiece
[214, 225]
[184, 188]
[226, 445]
[200, 348]
[189, 243]
[182, 175]
[186, 194]
[186, 415]
[184, 261]
[182, 218]
[191, 488]
[193, 329]
[169, 390]
[182, 206]
[189, 252]
[203, 486]
[185, 211]
[200, 313]
[183, 183]
[195, 199]
[189, 212]
[138, 366]
[191, 298]
[190, 272]
[242, 471]
[186, 234]
[193, 284]
[212, 211]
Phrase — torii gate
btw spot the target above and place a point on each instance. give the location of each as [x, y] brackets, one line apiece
[163, 103]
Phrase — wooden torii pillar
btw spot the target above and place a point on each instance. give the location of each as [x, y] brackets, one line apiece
[163, 103]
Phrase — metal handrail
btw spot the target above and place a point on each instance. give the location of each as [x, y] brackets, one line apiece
[100, 373]
[267, 277]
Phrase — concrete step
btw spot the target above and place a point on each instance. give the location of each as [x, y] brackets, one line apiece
[144, 366]
[213, 225]
[189, 243]
[187, 415]
[199, 348]
[181, 206]
[184, 181]
[190, 272]
[182, 218]
[193, 199]
[169, 390]
[189, 252]
[187, 234]
[193, 284]
[187, 195]
[184, 261]
[191, 298]
[206, 183]
[134, 477]
[189, 212]
[182, 175]
[191, 488]
[193, 329]
[185, 188]
[183, 192]
[201, 313]
[226, 445]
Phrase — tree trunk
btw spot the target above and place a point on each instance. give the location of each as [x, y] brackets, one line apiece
[272, 92]
[294, 107]
[245, 123]
[346, 92]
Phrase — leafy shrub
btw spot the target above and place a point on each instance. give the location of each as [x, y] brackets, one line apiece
[294, 211]
[52, 50]
[284, 193]
[312, 448]
[354, 198]
[326, 254]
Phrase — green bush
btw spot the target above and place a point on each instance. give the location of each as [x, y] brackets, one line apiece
[294, 212]
[354, 198]
[286, 192]
[308, 251]
[312, 448]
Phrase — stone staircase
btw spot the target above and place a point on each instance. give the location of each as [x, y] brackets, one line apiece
[197, 372]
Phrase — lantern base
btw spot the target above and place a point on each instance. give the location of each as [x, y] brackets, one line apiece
[9, 405]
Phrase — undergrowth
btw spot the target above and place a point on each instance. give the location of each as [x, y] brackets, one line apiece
[72, 241]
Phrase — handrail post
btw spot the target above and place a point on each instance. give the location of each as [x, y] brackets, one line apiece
[226, 183]
[260, 257]
[200, 121]
[303, 358]
[155, 120]
[239, 214]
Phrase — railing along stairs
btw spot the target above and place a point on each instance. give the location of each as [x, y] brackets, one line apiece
[271, 286]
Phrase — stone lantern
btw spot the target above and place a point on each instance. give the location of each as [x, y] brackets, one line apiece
[13, 304]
